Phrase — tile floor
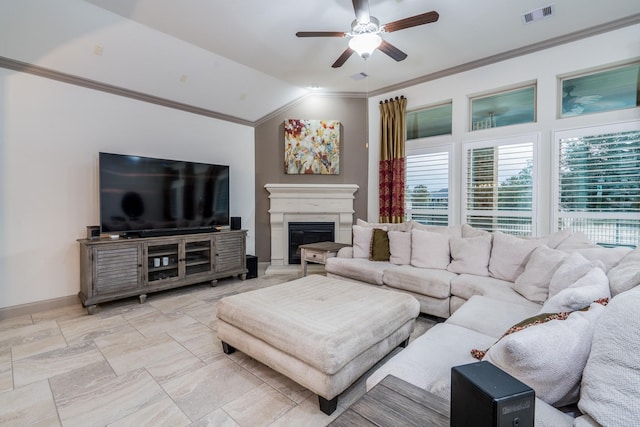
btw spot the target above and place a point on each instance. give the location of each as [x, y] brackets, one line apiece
[154, 364]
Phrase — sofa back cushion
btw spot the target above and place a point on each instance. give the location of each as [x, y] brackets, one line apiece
[470, 255]
[610, 391]
[510, 254]
[430, 250]
[625, 275]
[362, 241]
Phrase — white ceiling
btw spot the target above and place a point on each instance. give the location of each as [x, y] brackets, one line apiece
[259, 36]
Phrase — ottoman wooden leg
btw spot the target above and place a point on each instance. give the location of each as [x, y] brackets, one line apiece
[228, 349]
[328, 406]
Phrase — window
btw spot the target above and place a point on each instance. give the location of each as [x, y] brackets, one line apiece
[499, 189]
[510, 107]
[597, 182]
[612, 89]
[430, 121]
[427, 185]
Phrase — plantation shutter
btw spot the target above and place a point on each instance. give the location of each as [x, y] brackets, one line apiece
[499, 186]
[599, 185]
[427, 193]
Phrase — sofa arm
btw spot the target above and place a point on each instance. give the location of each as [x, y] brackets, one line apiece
[346, 252]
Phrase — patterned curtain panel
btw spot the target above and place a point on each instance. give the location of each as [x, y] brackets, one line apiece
[392, 159]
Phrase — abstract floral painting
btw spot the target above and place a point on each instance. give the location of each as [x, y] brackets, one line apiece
[311, 147]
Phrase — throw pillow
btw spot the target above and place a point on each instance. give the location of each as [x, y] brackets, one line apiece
[470, 255]
[510, 254]
[577, 240]
[379, 246]
[626, 274]
[399, 247]
[610, 389]
[592, 286]
[361, 241]
[572, 268]
[533, 283]
[429, 250]
[533, 354]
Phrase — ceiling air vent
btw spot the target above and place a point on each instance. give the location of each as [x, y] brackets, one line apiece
[538, 14]
[359, 76]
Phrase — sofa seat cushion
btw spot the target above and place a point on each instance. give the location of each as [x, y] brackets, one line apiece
[426, 281]
[427, 361]
[359, 269]
[490, 316]
[467, 285]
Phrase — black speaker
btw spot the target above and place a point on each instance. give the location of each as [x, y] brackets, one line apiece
[252, 266]
[483, 395]
[236, 222]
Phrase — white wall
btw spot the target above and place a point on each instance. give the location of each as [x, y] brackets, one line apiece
[50, 136]
[544, 67]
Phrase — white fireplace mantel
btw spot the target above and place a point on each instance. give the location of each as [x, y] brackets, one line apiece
[308, 203]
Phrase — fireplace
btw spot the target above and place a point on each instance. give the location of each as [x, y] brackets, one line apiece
[308, 203]
[302, 233]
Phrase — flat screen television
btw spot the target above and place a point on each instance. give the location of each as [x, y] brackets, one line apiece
[144, 196]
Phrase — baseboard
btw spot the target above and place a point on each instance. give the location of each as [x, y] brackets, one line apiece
[36, 307]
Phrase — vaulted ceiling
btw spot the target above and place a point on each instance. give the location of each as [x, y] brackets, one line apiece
[241, 58]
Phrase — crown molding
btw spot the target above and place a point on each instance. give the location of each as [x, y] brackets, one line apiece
[48, 73]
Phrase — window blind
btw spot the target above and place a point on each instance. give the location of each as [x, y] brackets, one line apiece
[499, 187]
[427, 188]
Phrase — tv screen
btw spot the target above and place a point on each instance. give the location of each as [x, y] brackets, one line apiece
[147, 196]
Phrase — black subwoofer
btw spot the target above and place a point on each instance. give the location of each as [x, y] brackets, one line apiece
[252, 266]
[483, 395]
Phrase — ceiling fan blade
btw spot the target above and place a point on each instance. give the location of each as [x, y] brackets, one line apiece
[392, 51]
[413, 21]
[320, 34]
[343, 58]
[361, 7]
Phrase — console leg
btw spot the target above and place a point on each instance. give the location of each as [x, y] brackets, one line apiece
[92, 309]
[142, 298]
[328, 406]
[404, 343]
[243, 277]
[213, 283]
[227, 348]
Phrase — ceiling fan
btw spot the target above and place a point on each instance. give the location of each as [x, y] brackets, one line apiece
[365, 33]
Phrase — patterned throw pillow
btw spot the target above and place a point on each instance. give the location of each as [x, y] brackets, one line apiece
[549, 358]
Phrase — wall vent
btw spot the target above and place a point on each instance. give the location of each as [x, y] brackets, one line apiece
[538, 14]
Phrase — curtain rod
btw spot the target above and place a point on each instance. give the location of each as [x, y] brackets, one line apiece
[392, 99]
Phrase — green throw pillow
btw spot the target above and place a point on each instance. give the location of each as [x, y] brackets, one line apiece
[379, 246]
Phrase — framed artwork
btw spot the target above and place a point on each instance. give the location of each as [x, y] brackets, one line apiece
[311, 147]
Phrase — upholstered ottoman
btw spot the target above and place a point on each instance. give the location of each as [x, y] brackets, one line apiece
[320, 332]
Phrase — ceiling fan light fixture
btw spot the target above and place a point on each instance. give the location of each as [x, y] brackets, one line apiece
[364, 44]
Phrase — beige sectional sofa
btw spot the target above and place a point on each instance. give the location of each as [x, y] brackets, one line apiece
[580, 354]
[442, 267]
